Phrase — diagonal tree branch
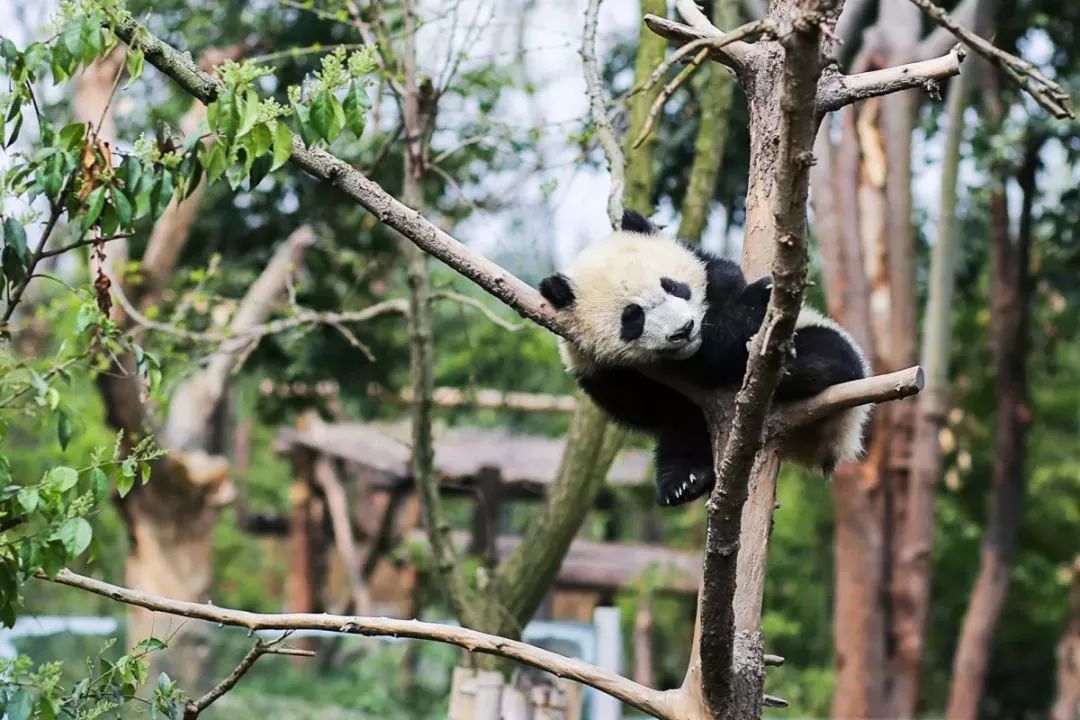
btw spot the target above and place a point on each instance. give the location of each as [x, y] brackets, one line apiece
[1042, 89]
[508, 288]
[194, 708]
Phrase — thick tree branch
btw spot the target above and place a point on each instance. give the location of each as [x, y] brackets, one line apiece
[650, 701]
[836, 90]
[1042, 89]
[874, 389]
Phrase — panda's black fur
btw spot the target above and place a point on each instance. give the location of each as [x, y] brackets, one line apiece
[824, 355]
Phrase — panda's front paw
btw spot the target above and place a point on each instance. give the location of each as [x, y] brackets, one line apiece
[682, 485]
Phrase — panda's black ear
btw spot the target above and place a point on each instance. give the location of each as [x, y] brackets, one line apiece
[633, 221]
[556, 290]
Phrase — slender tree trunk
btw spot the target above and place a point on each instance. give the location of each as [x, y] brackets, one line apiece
[913, 572]
[1067, 703]
[1010, 292]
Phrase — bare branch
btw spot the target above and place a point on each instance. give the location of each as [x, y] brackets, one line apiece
[699, 21]
[1042, 89]
[941, 39]
[875, 389]
[836, 90]
[707, 45]
[598, 109]
[474, 303]
[645, 699]
[262, 647]
[734, 56]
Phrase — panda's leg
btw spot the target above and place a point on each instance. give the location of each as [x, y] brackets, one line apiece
[684, 463]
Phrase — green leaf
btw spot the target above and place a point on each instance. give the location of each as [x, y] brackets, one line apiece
[99, 483]
[247, 107]
[64, 477]
[356, 105]
[71, 137]
[129, 173]
[28, 498]
[15, 238]
[53, 557]
[64, 430]
[259, 169]
[162, 194]
[123, 207]
[134, 65]
[152, 644]
[94, 204]
[327, 116]
[75, 534]
[143, 194]
[110, 221]
[124, 484]
[283, 141]
[72, 41]
[214, 160]
[14, 134]
[20, 705]
[261, 139]
[60, 63]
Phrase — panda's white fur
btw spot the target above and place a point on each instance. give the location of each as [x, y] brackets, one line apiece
[626, 268]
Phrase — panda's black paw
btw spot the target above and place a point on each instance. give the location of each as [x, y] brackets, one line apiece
[677, 486]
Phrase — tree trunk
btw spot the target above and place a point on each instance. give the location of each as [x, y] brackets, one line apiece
[1067, 704]
[1010, 291]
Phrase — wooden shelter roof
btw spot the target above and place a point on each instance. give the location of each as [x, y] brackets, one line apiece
[460, 452]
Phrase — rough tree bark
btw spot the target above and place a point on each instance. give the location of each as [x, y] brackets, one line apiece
[1010, 293]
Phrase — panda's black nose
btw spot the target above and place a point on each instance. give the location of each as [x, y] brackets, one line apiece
[682, 333]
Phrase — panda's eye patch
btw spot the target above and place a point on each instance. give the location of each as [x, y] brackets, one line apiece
[633, 322]
[673, 287]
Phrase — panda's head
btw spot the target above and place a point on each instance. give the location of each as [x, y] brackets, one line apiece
[635, 297]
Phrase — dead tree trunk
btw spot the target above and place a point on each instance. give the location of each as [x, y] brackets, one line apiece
[1010, 293]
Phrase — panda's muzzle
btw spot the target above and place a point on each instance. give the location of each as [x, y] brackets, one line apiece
[683, 333]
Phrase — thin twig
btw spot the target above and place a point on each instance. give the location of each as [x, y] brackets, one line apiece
[257, 332]
[598, 105]
[667, 92]
[1042, 89]
[757, 27]
[83, 243]
[474, 303]
[108, 101]
[194, 708]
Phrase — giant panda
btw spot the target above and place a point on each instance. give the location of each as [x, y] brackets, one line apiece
[641, 300]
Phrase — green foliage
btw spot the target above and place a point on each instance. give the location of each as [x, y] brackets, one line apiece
[108, 686]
